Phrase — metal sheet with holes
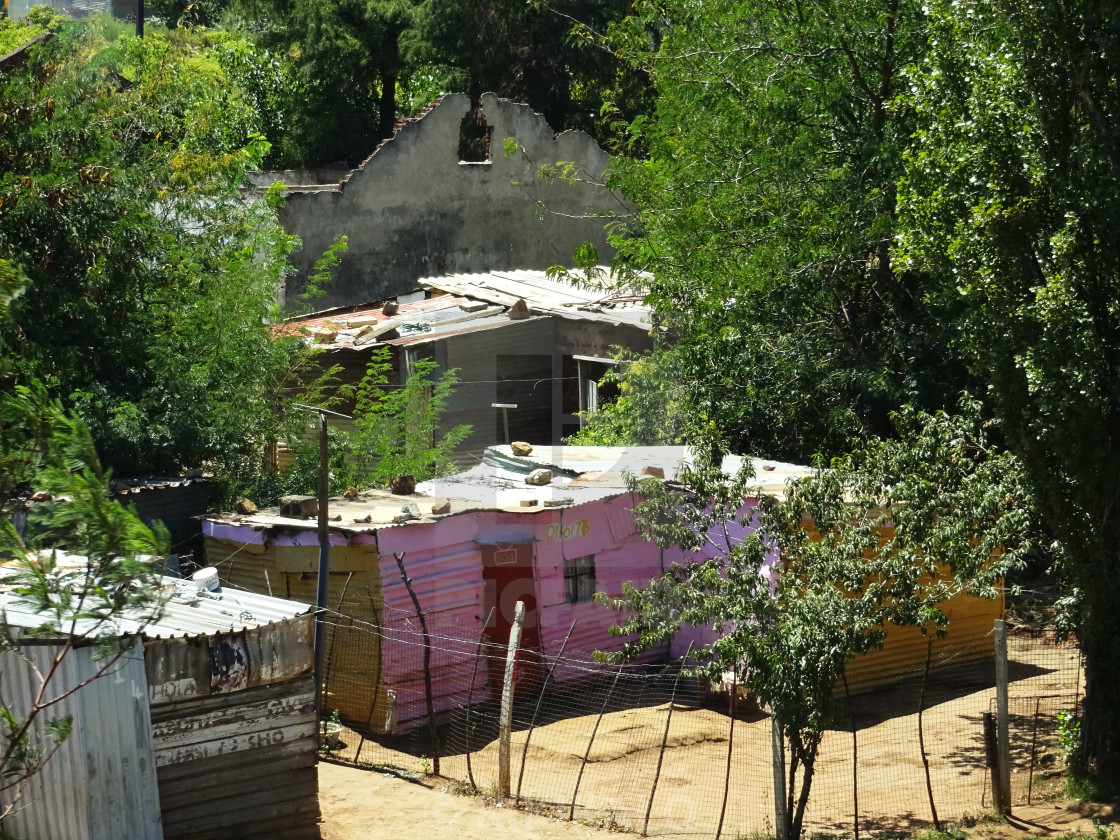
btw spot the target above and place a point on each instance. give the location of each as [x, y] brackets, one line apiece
[181, 669]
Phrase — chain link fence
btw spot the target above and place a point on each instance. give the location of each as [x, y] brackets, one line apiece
[656, 751]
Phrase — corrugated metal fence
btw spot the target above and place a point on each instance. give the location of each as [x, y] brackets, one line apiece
[109, 749]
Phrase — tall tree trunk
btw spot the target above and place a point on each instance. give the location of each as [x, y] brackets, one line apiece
[387, 105]
[1100, 729]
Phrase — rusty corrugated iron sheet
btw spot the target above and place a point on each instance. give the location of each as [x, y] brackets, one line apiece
[184, 668]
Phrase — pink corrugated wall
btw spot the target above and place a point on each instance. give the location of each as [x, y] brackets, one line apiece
[445, 565]
[444, 561]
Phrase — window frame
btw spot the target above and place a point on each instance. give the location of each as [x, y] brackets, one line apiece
[580, 582]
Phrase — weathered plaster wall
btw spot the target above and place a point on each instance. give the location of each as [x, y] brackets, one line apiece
[413, 210]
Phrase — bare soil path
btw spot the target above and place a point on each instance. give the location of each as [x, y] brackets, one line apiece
[368, 805]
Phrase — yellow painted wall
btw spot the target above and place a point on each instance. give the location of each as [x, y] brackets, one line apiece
[905, 649]
[352, 647]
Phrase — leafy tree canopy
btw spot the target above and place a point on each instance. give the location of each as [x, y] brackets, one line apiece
[551, 55]
[396, 429]
[348, 56]
[1012, 190]
[885, 534]
[767, 216]
[150, 281]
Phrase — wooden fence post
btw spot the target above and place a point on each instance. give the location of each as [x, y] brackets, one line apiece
[1003, 740]
[730, 750]
[505, 722]
[990, 751]
[855, 756]
[778, 751]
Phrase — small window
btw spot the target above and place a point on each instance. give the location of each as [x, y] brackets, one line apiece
[475, 135]
[579, 578]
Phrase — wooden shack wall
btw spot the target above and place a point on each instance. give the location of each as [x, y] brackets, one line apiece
[235, 749]
[476, 357]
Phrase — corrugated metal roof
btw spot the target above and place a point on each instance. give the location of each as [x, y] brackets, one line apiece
[546, 296]
[140, 484]
[581, 474]
[606, 465]
[186, 610]
[365, 326]
[461, 303]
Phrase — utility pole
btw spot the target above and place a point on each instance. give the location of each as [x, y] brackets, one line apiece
[324, 551]
[139, 18]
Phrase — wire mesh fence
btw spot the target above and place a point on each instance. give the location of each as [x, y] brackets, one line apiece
[657, 751]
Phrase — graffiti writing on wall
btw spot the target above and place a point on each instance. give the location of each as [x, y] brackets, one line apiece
[559, 531]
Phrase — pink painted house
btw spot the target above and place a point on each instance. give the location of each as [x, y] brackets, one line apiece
[497, 541]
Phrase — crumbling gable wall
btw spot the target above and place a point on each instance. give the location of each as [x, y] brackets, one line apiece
[413, 209]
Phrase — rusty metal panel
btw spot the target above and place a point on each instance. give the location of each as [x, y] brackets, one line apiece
[181, 669]
[178, 669]
[282, 650]
[101, 784]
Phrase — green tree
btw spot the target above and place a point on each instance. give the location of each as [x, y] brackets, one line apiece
[396, 429]
[1013, 194]
[767, 196]
[349, 56]
[151, 280]
[51, 449]
[548, 55]
[884, 535]
[16, 33]
[652, 408]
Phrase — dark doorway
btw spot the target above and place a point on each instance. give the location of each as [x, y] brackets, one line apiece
[507, 574]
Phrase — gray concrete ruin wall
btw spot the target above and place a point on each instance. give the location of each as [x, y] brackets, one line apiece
[414, 210]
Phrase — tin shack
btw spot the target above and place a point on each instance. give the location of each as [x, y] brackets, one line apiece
[483, 540]
[204, 726]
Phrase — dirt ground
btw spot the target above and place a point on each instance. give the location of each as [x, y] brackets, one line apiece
[711, 777]
[367, 805]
